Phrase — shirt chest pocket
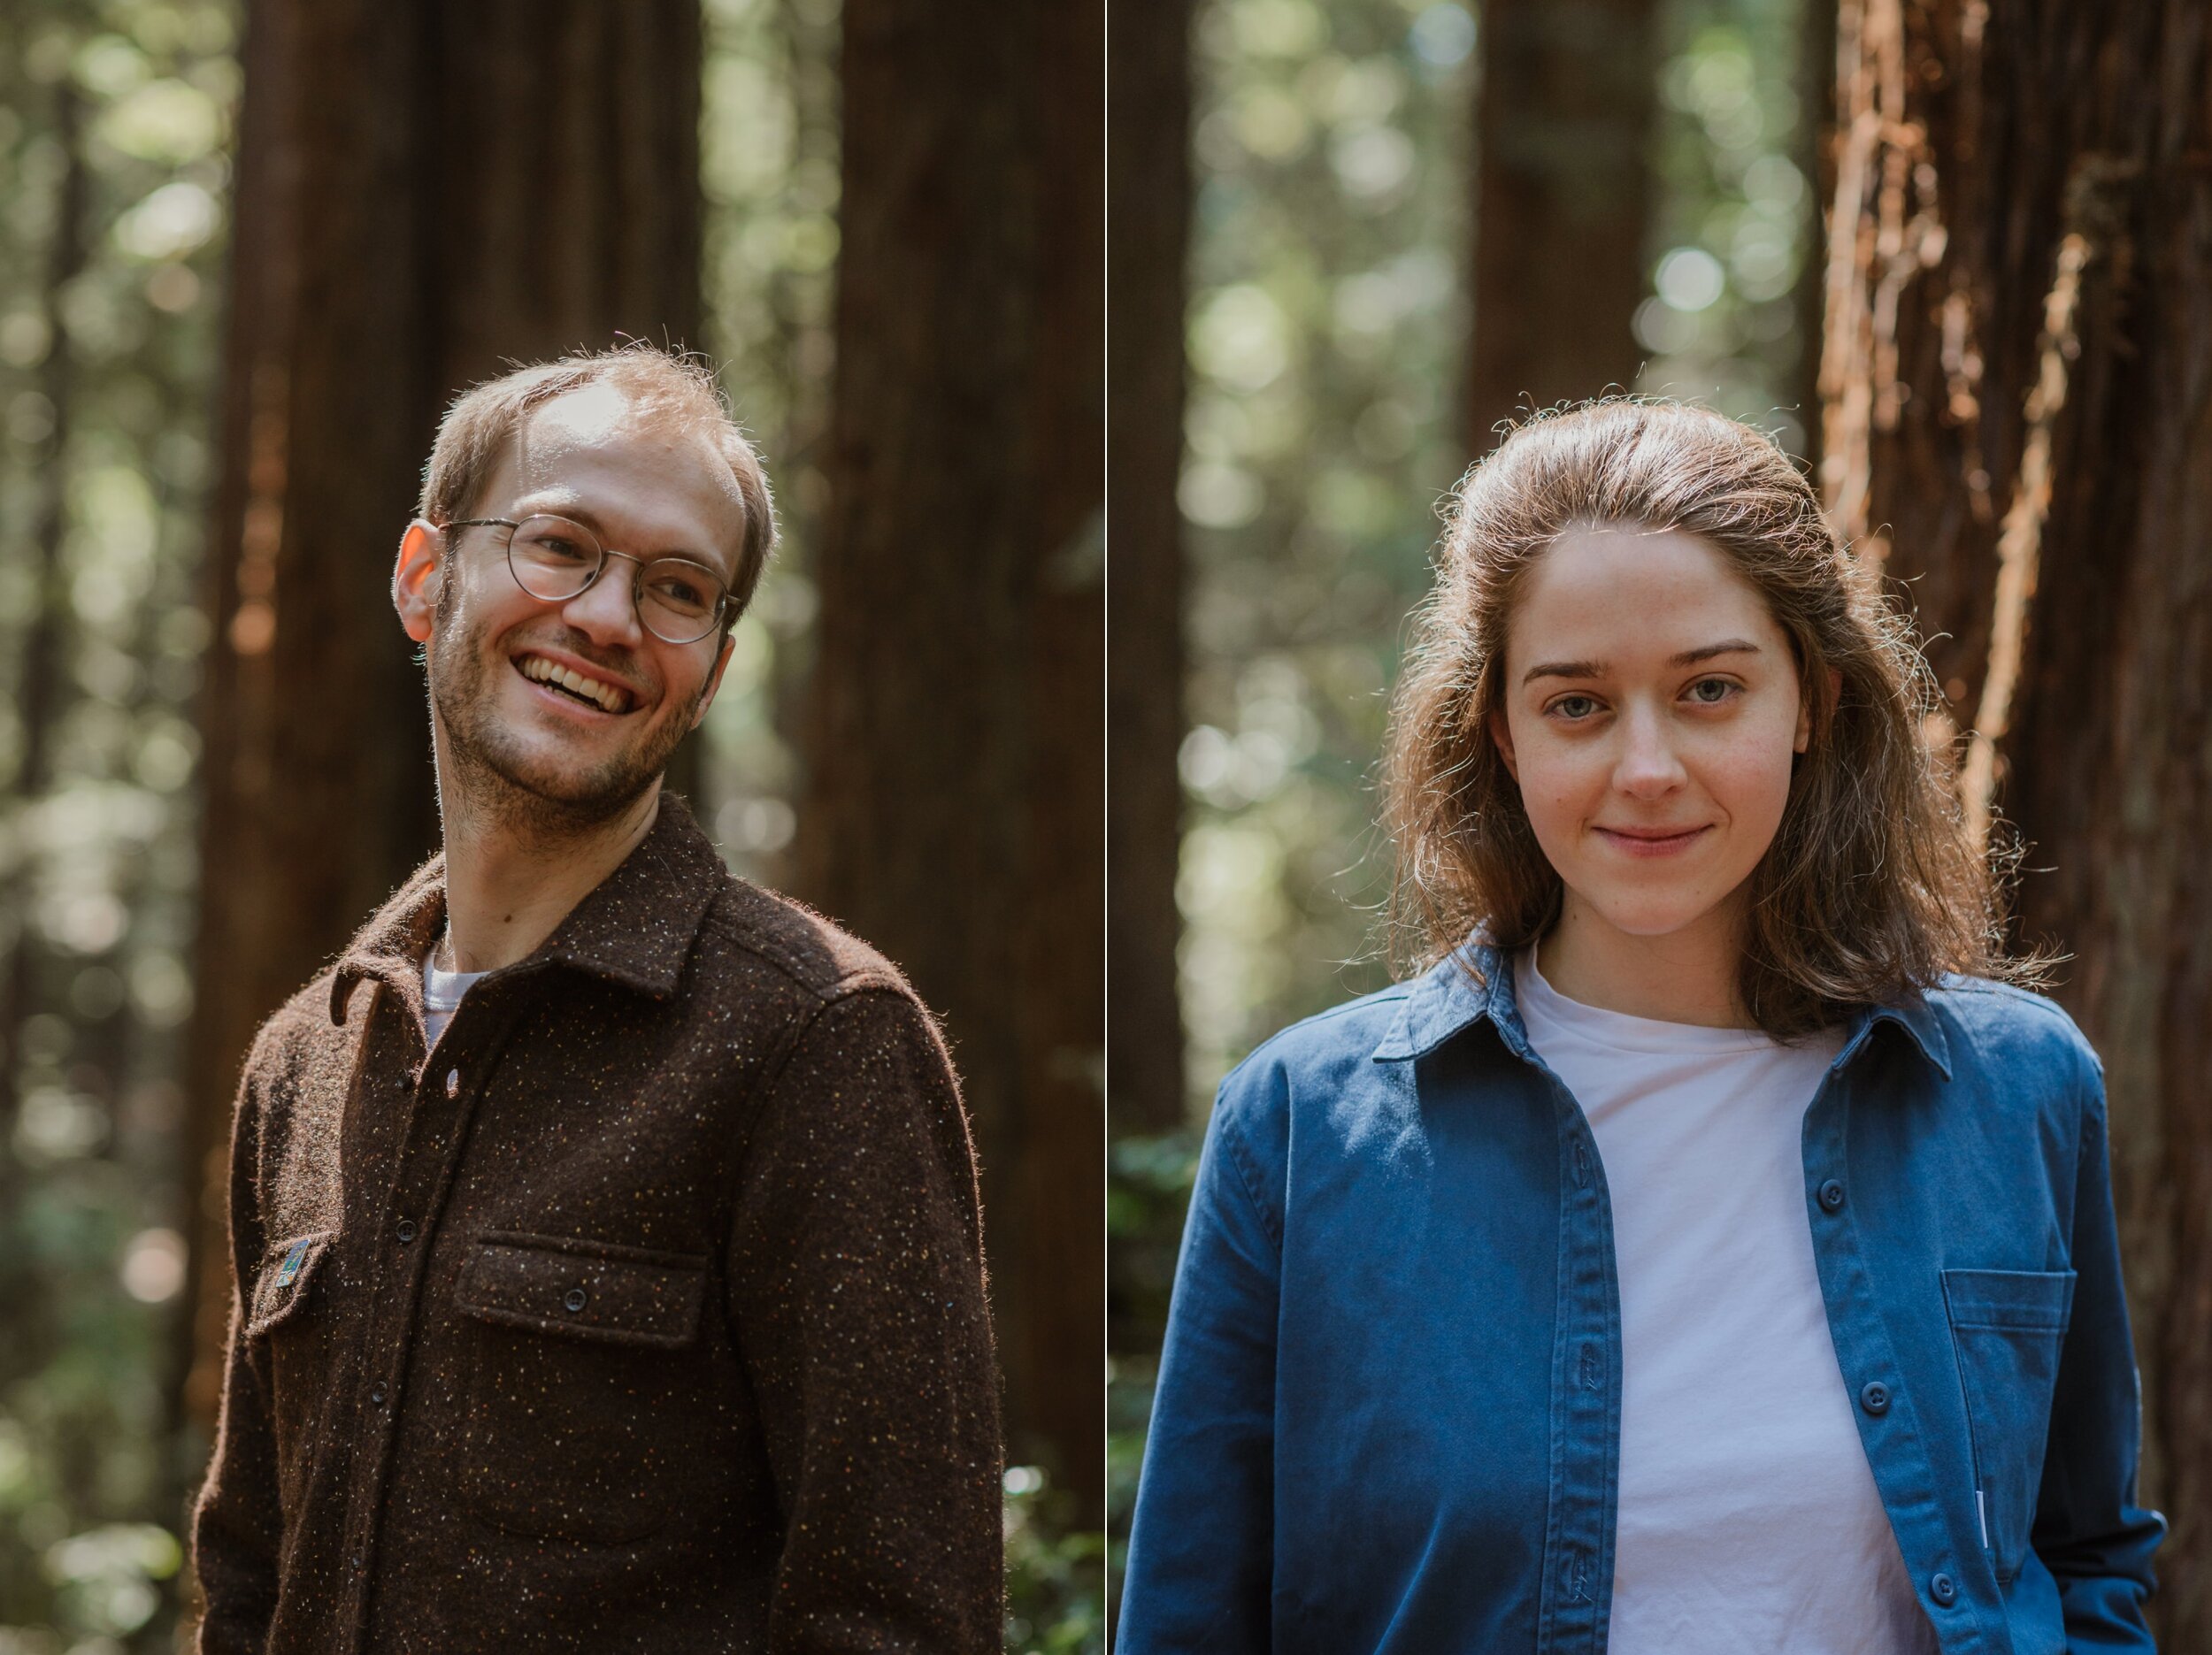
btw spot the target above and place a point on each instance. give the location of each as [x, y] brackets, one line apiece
[2007, 1328]
[288, 1335]
[584, 1396]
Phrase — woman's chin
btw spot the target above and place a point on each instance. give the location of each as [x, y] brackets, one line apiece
[1647, 915]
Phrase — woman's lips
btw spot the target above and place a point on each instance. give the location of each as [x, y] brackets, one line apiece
[1640, 843]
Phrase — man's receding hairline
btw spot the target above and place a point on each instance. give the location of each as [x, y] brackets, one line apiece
[644, 412]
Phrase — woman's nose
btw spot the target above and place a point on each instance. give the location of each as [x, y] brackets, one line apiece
[1648, 764]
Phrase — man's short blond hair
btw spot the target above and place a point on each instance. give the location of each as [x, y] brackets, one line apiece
[661, 384]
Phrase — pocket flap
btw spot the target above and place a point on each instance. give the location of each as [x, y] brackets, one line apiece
[287, 1270]
[2033, 1300]
[590, 1289]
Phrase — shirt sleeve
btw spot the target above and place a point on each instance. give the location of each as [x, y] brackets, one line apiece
[856, 1287]
[237, 1522]
[1201, 1544]
[2089, 1531]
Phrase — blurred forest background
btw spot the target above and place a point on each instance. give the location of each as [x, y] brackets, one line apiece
[1954, 258]
[248, 250]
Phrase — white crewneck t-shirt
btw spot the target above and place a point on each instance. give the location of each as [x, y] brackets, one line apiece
[1748, 1520]
[441, 992]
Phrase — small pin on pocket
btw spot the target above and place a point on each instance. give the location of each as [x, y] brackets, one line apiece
[288, 1271]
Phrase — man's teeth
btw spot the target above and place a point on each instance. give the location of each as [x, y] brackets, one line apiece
[606, 696]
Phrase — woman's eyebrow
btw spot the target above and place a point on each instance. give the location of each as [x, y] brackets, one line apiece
[1598, 669]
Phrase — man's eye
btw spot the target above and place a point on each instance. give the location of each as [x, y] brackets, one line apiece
[680, 591]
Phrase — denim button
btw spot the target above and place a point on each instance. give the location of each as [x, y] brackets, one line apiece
[1831, 1194]
[1874, 1396]
[1943, 1588]
[575, 1300]
[453, 1083]
[406, 1229]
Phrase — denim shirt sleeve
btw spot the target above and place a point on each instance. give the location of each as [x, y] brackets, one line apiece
[2089, 1531]
[1201, 1548]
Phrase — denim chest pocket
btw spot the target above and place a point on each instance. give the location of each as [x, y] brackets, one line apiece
[2007, 1328]
[585, 1397]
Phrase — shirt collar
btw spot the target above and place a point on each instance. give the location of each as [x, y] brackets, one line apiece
[636, 927]
[1450, 997]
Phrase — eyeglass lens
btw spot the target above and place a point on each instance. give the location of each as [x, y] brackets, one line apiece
[554, 559]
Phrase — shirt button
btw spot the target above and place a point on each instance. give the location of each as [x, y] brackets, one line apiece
[453, 1083]
[1944, 1589]
[1832, 1195]
[376, 1395]
[575, 1300]
[406, 1229]
[1874, 1396]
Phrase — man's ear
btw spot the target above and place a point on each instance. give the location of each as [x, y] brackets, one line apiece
[714, 681]
[1501, 737]
[419, 577]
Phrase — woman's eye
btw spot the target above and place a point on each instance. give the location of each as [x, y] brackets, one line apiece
[1574, 706]
[1711, 692]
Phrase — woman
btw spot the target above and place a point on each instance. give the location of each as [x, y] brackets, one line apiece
[1713, 1252]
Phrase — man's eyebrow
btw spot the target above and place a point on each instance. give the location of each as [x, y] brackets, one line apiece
[583, 514]
[1597, 668]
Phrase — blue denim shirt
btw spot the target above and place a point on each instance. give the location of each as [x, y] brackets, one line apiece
[1389, 1405]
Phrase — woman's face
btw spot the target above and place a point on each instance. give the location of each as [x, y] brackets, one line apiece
[1650, 711]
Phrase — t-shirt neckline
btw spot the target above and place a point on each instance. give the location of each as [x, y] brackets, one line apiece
[1619, 1030]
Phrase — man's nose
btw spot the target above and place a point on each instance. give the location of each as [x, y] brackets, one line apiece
[607, 608]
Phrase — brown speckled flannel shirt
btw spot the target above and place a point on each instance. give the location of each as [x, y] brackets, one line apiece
[646, 1313]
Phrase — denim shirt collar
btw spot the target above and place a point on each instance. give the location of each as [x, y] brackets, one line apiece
[1450, 998]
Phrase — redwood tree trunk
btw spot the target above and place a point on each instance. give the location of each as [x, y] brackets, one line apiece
[39, 680]
[953, 812]
[1563, 202]
[424, 191]
[2018, 395]
[1149, 181]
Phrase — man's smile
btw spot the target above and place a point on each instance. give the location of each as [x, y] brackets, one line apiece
[573, 684]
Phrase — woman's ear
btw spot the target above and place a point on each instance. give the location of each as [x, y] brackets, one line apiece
[1805, 710]
[419, 577]
[1501, 738]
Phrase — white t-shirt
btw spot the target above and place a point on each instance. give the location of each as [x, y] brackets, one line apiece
[1748, 1520]
[441, 992]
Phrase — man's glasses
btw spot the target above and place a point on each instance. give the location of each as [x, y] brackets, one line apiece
[554, 559]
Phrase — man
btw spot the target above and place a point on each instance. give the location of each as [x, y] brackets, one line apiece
[605, 1229]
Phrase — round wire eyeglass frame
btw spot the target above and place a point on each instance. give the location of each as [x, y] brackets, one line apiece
[638, 595]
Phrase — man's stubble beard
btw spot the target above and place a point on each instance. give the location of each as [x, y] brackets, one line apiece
[493, 778]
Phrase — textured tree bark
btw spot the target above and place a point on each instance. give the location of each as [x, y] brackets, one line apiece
[953, 813]
[1148, 180]
[2019, 398]
[1563, 202]
[424, 192]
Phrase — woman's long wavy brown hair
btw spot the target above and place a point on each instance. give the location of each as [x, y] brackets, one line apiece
[1872, 886]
